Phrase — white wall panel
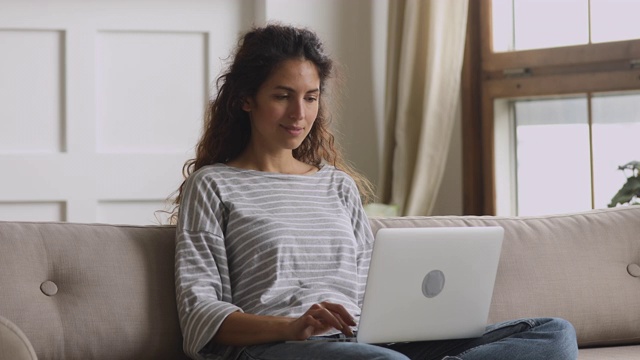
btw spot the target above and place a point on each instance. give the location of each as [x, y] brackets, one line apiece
[132, 212]
[151, 90]
[32, 93]
[33, 211]
[140, 176]
[101, 102]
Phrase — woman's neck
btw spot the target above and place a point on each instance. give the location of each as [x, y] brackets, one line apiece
[283, 162]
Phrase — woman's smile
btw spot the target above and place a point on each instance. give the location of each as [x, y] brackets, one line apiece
[293, 130]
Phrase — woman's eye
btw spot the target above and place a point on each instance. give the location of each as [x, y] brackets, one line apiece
[311, 99]
[280, 97]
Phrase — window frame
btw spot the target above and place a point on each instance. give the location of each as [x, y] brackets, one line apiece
[488, 76]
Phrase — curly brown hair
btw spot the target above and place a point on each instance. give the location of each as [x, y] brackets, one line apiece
[227, 128]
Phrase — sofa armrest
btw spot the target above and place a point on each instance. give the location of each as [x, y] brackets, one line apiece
[13, 342]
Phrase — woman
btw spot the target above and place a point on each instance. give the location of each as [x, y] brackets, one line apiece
[272, 240]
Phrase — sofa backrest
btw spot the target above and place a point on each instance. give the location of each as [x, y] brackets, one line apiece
[581, 267]
[83, 291]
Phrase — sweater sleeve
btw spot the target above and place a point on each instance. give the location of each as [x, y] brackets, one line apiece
[363, 235]
[203, 291]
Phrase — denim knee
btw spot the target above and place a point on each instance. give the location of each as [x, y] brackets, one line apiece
[565, 338]
[531, 339]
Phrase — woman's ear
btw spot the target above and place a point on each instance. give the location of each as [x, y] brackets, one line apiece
[246, 104]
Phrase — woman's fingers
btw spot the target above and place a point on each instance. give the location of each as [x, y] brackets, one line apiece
[333, 315]
[340, 310]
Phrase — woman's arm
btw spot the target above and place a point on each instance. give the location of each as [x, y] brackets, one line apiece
[241, 329]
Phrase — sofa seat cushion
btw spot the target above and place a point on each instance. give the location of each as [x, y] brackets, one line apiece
[610, 353]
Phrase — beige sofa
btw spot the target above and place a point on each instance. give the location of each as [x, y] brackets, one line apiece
[80, 291]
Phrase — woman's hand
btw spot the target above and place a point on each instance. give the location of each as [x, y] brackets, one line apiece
[240, 329]
[321, 318]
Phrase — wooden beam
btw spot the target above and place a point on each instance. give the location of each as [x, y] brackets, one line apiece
[472, 149]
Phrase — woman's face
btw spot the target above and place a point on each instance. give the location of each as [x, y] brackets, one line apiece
[285, 107]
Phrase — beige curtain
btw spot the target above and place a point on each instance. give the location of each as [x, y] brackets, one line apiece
[425, 51]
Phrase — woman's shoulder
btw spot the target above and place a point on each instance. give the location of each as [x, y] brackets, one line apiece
[337, 176]
[209, 175]
[207, 171]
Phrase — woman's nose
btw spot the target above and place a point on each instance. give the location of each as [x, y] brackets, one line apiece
[296, 110]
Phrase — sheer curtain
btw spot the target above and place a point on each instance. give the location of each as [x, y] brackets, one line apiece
[425, 52]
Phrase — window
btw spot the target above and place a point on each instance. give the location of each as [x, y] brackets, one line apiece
[537, 24]
[552, 104]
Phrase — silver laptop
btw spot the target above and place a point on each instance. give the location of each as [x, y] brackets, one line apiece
[429, 284]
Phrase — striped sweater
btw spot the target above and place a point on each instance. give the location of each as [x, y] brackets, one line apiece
[267, 244]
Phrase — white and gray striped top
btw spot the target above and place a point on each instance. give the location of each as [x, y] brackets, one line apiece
[267, 244]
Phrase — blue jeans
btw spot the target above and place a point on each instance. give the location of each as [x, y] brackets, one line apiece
[524, 339]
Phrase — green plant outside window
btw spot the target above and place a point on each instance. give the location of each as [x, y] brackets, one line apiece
[630, 191]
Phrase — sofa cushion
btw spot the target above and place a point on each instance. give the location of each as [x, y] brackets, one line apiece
[610, 353]
[82, 291]
[14, 344]
[572, 266]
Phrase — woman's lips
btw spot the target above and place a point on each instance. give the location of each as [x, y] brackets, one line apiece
[293, 130]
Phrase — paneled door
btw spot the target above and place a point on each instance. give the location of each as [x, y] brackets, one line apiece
[101, 103]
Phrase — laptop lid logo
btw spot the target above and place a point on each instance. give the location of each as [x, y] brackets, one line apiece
[433, 283]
